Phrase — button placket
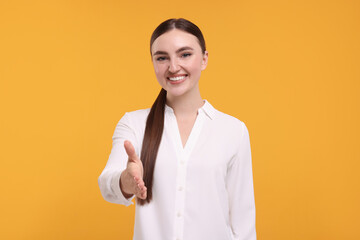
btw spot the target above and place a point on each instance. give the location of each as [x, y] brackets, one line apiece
[180, 179]
[183, 155]
[180, 200]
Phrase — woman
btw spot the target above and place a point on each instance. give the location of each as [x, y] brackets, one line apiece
[188, 164]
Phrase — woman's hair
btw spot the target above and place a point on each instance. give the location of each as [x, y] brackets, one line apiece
[155, 120]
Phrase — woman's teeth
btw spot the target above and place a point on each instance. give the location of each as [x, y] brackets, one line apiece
[176, 78]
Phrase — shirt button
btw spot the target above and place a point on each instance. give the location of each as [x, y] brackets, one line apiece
[180, 188]
[182, 162]
[179, 214]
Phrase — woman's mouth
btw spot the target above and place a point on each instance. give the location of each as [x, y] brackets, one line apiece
[177, 79]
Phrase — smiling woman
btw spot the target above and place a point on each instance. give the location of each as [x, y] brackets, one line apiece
[188, 164]
[178, 58]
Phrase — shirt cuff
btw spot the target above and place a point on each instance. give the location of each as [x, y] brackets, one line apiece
[115, 186]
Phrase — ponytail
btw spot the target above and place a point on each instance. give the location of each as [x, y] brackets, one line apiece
[151, 142]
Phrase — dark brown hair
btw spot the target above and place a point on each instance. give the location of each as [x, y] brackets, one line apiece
[155, 120]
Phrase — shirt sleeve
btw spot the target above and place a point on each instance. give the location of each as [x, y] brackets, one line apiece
[109, 179]
[241, 190]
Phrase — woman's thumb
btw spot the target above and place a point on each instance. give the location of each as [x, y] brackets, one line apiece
[130, 150]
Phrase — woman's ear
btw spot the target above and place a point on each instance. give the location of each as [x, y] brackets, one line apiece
[204, 60]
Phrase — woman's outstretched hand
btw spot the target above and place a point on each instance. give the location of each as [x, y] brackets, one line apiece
[131, 179]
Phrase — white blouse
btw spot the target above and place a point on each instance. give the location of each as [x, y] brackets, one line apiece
[202, 191]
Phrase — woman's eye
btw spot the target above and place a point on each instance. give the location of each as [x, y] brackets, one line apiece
[186, 54]
[160, 58]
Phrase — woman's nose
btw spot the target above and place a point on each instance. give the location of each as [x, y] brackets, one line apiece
[174, 66]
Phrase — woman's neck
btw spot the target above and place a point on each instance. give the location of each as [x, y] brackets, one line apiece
[185, 105]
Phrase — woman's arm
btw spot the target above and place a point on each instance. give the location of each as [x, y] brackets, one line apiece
[109, 180]
[241, 190]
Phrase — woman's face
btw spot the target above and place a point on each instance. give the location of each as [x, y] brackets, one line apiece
[178, 61]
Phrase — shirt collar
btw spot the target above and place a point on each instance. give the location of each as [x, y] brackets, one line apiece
[207, 108]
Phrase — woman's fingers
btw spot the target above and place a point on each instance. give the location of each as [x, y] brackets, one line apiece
[143, 194]
[140, 188]
[139, 182]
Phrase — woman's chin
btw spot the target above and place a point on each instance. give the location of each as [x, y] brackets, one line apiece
[184, 88]
[176, 92]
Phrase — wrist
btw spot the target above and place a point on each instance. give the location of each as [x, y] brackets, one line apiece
[122, 187]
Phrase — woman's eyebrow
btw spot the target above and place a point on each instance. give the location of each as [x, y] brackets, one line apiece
[183, 49]
[177, 51]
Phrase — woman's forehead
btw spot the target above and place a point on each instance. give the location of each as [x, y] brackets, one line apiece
[175, 39]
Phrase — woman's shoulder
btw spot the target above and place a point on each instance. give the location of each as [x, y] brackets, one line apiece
[225, 123]
[229, 121]
[136, 116]
[230, 126]
[138, 113]
[219, 116]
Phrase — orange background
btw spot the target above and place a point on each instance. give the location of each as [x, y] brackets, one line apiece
[70, 69]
